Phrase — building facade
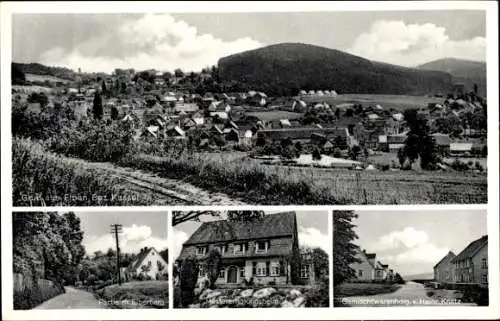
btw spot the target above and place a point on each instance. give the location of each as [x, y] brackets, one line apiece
[261, 251]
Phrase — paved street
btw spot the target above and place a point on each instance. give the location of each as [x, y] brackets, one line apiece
[409, 294]
[72, 299]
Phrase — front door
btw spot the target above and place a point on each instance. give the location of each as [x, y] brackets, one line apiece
[232, 274]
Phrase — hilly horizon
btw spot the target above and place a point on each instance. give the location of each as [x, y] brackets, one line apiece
[288, 67]
[468, 72]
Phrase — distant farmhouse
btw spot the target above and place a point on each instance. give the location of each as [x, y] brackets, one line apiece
[265, 250]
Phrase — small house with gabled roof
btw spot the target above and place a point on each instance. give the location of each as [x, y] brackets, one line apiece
[148, 263]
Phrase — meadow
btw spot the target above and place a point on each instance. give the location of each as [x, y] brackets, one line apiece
[255, 183]
[398, 102]
[43, 78]
[137, 295]
[41, 178]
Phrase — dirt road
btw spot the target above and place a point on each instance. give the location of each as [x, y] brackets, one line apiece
[72, 299]
[159, 190]
[410, 294]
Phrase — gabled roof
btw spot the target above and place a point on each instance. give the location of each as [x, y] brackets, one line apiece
[271, 225]
[141, 257]
[471, 249]
[442, 139]
[447, 256]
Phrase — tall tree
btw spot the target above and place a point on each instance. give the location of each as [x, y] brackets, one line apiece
[181, 217]
[419, 142]
[97, 109]
[344, 250]
[213, 264]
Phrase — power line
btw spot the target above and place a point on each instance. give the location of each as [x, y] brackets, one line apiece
[117, 229]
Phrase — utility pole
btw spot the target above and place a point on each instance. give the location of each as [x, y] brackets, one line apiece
[117, 229]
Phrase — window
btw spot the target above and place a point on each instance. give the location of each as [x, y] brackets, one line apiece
[240, 248]
[484, 278]
[275, 269]
[360, 273]
[261, 247]
[221, 248]
[261, 269]
[201, 271]
[304, 271]
[201, 250]
[282, 268]
[484, 263]
[222, 274]
[379, 273]
[242, 272]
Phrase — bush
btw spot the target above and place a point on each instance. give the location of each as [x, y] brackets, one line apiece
[188, 278]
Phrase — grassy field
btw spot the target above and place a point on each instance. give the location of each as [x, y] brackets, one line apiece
[398, 102]
[362, 289]
[246, 178]
[42, 78]
[137, 295]
[41, 178]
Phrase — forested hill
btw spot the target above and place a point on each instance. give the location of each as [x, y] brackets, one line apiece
[39, 69]
[286, 68]
[463, 71]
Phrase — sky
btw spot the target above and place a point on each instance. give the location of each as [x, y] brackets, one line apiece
[312, 230]
[192, 41]
[140, 229]
[412, 242]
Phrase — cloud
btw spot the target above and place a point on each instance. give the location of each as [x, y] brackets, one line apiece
[132, 240]
[151, 41]
[409, 251]
[408, 238]
[179, 237]
[413, 44]
[312, 237]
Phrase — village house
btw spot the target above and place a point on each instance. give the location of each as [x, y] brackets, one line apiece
[265, 250]
[365, 268]
[444, 269]
[471, 265]
[369, 269]
[149, 264]
[340, 134]
[443, 142]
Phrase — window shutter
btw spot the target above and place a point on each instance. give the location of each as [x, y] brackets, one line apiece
[254, 268]
[267, 268]
[282, 268]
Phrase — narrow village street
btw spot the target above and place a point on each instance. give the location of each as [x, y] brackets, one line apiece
[409, 294]
[72, 299]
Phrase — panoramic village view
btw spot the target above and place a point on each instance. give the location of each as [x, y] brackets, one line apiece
[108, 260]
[164, 109]
[412, 261]
[251, 259]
